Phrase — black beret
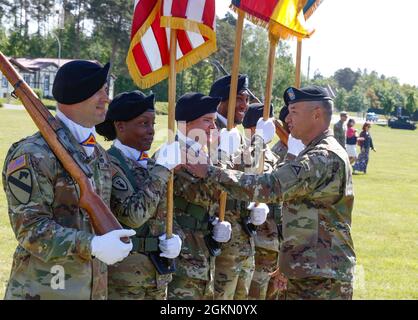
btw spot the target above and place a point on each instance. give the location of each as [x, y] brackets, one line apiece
[220, 88]
[193, 105]
[253, 114]
[124, 107]
[284, 111]
[310, 93]
[78, 80]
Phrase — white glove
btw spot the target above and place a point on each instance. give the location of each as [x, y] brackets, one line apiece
[265, 129]
[170, 248]
[169, 155]
[221, 230]
[258, 213]
[294, 146]
[229, 141]
[109, 248]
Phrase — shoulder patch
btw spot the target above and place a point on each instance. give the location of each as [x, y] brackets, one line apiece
[119, 183]
[296, 169]
[16, 164]
[20, 185]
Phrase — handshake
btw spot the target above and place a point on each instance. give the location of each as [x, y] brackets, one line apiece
[109, 249]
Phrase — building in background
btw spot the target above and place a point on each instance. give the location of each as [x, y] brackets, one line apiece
[39, 73]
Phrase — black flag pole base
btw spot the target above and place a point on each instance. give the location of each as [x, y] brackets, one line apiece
[214, 247]
[162, 264]
[248, 227]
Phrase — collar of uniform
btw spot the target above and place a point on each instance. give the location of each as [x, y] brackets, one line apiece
[190, 143]
[86, 137]
[222, 119]
[131, 153]
[315, 141]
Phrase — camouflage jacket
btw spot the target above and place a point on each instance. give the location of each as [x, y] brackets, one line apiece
[340, 132]
[134, 209]
[317, 194]
[267, 235]
[54, 234]
[193, 195]
[241, 244]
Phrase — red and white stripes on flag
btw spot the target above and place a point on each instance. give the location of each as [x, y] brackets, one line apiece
[148, 55]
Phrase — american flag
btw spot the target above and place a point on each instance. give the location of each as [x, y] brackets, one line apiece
[148, 55]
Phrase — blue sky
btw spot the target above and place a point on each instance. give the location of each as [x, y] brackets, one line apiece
[379, 35]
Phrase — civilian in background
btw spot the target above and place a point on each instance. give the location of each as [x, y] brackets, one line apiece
[366, 143]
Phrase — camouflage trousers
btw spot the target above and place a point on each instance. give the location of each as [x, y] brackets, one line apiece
[233, 276]
[266, 261]
[135, 278]
[183, 288]
[317, 288]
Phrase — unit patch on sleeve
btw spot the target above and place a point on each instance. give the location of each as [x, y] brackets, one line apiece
[119, 184]
[20, 185]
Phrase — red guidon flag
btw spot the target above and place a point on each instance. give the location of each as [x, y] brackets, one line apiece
[149, 53]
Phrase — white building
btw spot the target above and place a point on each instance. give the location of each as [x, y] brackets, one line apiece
[39, 73]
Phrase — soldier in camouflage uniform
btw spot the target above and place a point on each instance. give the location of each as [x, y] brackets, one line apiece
[196, 203]
[235, 266]
[267, 237]
[58, 256]
[317, 255]
[277, 284]
[138, 186]
[340, 129]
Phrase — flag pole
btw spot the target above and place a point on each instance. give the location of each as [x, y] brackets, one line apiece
[269, 88]
[233, 95]
[171, 127]
[270, 73]
[298, 63]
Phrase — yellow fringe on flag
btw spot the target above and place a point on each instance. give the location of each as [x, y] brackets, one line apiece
[286, 20]
[311, 10]
[188, 25]
[257, 21]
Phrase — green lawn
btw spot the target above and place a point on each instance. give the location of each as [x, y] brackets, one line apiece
[385, 217]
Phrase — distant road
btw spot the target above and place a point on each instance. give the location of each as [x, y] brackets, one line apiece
[13, 106]
[359, 120]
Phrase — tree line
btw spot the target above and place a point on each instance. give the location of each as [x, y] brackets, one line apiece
[100, 30]
[360, 91]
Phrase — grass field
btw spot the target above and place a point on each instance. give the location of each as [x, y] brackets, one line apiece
[385, 217]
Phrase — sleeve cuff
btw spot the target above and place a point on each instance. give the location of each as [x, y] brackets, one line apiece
[83, 245]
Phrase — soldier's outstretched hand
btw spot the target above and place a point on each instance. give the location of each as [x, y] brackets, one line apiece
[198, 170]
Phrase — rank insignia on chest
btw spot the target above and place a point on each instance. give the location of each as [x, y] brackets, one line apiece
[20, 185]
[296, 169]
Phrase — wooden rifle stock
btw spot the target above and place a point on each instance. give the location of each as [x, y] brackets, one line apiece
[100, 215]
[281, 132]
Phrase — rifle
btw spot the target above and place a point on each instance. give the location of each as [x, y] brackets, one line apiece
[281, 132]
[71, 159]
